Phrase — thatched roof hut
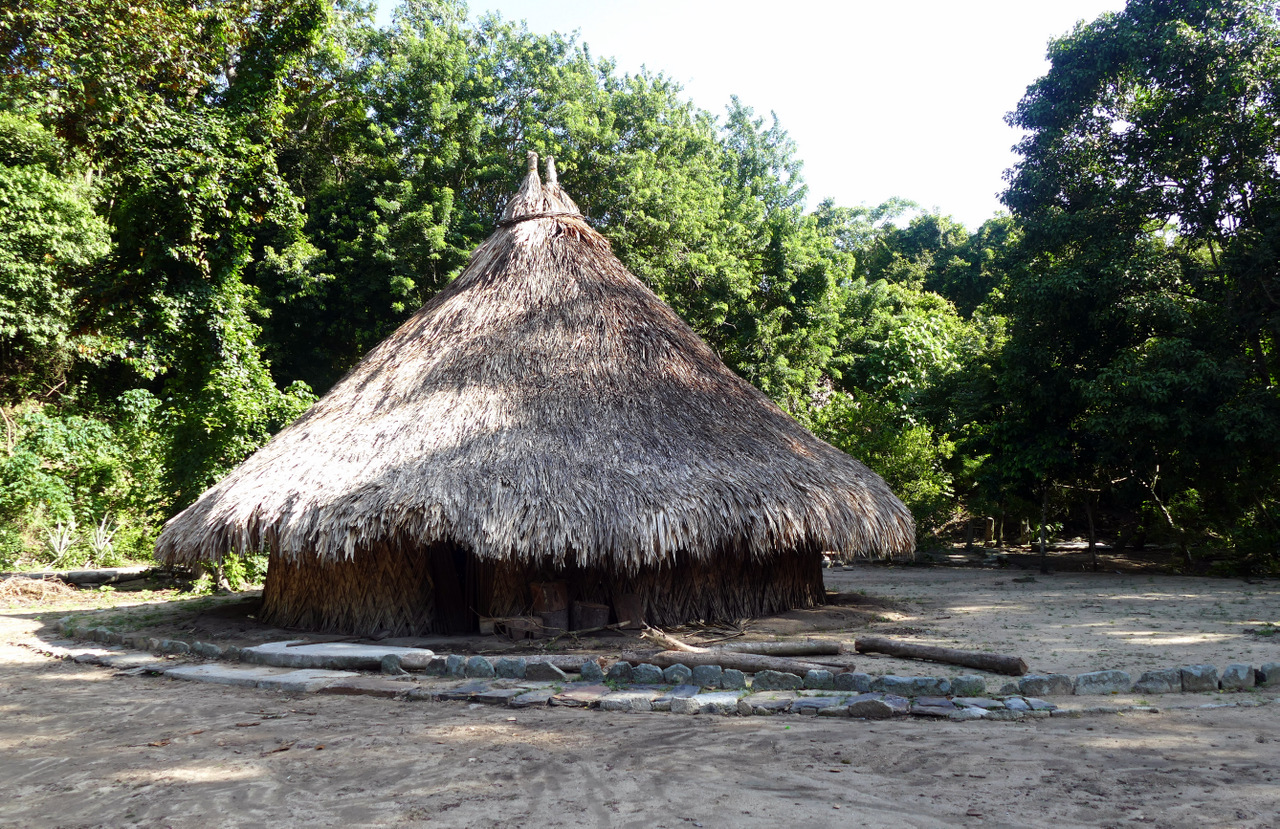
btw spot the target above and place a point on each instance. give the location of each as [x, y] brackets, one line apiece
[544, 417]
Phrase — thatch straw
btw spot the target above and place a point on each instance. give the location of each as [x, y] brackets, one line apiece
[19, 590]
[545, 409]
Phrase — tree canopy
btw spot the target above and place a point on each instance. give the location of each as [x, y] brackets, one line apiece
[209, 211]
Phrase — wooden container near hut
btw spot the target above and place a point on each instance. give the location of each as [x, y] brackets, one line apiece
[543, 419]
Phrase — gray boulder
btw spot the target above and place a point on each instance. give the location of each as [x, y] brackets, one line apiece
[206, 649]
[708, 676]
[968, 686]
[677, 674]
[870, 707]
[851, 681]
[390, 666]
[646, 674]
[1046, 685]
[912, 686]
[619, 671]
[591, 671]
[1269, 674]
[477, 667]
[510, 667]
[1168, 681]
[733, 680]
[776, 681]
[819, 680]
[1103, 682]
[545, 672]
[1199, 678]
[1237, 677]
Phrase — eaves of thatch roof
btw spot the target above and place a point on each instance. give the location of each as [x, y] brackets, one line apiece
[545, 406]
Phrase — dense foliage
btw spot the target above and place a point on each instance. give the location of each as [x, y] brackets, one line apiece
[210, 210]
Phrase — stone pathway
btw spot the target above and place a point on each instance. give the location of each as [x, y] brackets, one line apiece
[336, 668]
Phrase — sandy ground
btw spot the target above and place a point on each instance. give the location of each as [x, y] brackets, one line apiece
[79, 747]
[1071, 622]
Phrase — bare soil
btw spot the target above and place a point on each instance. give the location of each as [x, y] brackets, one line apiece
[80, 747]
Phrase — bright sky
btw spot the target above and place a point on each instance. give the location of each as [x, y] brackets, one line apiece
[882, 98]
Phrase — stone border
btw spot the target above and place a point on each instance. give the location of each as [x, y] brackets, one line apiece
[520, 694]
[521, 683]
[1187, 679]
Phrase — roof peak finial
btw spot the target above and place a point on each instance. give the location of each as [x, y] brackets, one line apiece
[551, 171]
[532, 158]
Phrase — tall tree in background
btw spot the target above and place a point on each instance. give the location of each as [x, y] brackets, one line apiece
[1143, 310]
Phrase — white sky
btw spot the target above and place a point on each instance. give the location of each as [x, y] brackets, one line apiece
[883, 99]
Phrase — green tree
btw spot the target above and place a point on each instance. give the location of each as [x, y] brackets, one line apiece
[1142, 313]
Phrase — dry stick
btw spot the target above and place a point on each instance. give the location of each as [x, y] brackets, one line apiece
[576, 633]
[993, 662]
[747, 662]
[669, 642]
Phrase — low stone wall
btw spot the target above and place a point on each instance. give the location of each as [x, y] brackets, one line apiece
[400, 661]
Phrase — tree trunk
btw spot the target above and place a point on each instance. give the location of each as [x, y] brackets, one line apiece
[1044, 519]
[995, 663]
[968, 538]
[1093, 535]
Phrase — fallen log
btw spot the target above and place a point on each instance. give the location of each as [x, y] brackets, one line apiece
[993, 662]
[745, 662]
[808, 647]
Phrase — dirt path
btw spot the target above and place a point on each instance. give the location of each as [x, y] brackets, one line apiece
[80, 748]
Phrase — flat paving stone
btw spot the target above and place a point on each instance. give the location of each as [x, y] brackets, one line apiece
[531, 699]
[935, 702]
[812, 706]
[258, 677]
[464, 692]
[305, 680]
[332, 655]
[918, 710]
[1039, 704]
[663, 702]
[978, 702]
[900, 705]
[766, 703]
[134, 659]
[716, 702]
[90, 656]
[499, 696]
[629, 701]
[366, 686]
[870, 707]
[582, 696]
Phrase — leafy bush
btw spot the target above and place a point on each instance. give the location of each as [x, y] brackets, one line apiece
[910, 457]
[75, 489]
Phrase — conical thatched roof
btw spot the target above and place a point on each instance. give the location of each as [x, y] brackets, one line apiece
[545, 406]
